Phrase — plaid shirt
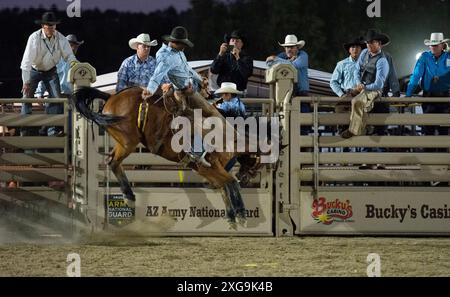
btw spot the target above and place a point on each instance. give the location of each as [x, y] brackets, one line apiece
[134, 72]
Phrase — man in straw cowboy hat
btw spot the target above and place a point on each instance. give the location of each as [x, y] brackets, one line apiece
[63, 70]
[229, 104]
[433, 71]
[137, 69]
[44, 49]
[233, 64]
[371, 71]
[294, 55]
[171, 62]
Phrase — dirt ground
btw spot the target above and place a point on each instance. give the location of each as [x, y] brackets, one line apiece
[229, 256]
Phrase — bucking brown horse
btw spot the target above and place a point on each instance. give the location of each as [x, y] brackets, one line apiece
[120, 119]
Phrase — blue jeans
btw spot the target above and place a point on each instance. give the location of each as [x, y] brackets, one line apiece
[51, 81]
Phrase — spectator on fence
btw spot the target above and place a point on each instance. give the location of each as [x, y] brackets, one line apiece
[432, 71]
[44, 49]
[343, 79]
[139, 68]
[295, 56]
[233, 64]
[391, 86]
[371, 71]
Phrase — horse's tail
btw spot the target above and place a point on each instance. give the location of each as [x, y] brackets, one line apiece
[82, 100]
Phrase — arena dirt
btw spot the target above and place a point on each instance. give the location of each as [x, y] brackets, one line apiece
[106, 255]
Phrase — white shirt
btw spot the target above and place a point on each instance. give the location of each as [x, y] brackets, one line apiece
[43, 54]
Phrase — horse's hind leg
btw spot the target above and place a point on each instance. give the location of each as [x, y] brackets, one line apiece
[120, 153]
[234, 204]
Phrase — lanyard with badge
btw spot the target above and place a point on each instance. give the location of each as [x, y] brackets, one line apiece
[51, 51]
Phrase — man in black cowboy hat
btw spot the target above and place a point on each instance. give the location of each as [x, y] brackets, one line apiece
[63, 70]
[232, 64]
[371, 71]
[391, 86]
[171, 62]
[343, 79]
[44, 49]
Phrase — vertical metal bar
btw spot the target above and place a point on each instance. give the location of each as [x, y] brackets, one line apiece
[316, 146]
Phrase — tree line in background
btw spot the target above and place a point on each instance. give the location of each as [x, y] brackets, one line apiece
[324, 24]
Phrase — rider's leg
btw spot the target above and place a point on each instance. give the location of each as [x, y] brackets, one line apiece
[198, 153]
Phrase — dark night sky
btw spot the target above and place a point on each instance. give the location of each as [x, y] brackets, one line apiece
[120, 5]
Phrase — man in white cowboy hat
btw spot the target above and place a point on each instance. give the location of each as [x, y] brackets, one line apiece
[63, 70]
[171, 62]
[371, 71]
[230, 105]
[294, 55]
[233, 64]
[137, 69]
[44, 49]
[432, 70]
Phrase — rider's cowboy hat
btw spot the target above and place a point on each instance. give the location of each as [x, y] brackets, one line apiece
[236, 34]
[179, 34]
[291, 40]
[48, 18]
[357, 41]
[435, 39]
[72, 38]
[373, 34]
[142, 38]
[228, 87]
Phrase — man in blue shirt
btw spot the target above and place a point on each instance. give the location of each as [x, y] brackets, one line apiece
[294, 55]
[432, 70]
[137, 69]
[230, 105]
[371, 71]
[343, 79]
[171, 62]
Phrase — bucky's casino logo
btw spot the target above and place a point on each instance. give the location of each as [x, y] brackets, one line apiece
[333, 211]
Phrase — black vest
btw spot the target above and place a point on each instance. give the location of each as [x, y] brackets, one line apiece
[368, 70]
